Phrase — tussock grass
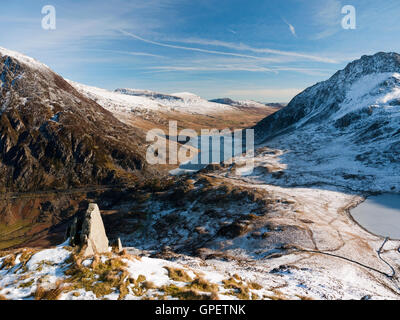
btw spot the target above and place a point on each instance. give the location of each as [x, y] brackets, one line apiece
[102, 278]
[237, 288]
[49, 294]
[255, 286]
[183, 293]
[26, 284]
[278, 295]
[201, 284]
[178, 274]
[148, 285]
[8, 262]
[26, 255]
[43, 263]
[240, 288]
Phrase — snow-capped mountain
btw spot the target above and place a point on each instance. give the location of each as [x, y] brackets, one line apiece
[241, 103]
[346, 126]
[148, 94]
[371, 83]
[125, 101]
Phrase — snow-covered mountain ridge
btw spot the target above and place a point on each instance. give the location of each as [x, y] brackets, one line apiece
[343, 132]
[365, 83]
[126, 101]
[241, 103]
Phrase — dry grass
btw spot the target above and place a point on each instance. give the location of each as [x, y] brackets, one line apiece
[110, 276]
[178, 274]
[214, 296]
[26, 284]
[278, 295]
[255, 286]
[303, 297]
[149, 285]
[240, 288]
[103, 277]
[24, 256]
[201, 284]
[49, 294]
[183, 293]
[8, 262]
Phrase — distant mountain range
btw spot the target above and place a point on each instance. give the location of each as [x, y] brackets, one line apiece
[247, 103]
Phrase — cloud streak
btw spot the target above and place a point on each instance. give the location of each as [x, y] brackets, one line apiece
[281, 95]
[244, 47]
[242, 67]
[229, 45]
[166, 45]
[211, 68]
[291, 28]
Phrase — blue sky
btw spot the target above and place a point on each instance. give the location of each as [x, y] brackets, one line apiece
[262, 50]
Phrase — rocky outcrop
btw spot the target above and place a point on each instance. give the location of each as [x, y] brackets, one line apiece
[88, 232]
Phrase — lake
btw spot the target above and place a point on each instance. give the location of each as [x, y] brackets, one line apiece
[380, 215]
[220, 148]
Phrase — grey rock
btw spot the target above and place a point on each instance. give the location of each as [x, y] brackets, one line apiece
[89, 232]
[93, 235]
[120, 248]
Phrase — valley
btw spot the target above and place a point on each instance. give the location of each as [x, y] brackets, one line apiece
[282, 230]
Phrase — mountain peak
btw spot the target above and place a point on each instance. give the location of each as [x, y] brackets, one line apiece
[371, 81]
[381, 62]
[31, 62]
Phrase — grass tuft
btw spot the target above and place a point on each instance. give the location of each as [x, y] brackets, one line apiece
[49, 294]
[178, 274]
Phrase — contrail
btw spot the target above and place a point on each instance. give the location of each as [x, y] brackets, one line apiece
[194, 49]
[232, 46]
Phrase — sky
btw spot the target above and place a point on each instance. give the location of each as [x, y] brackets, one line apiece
[265, 50]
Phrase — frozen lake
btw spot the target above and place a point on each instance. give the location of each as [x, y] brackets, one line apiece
[380, 215]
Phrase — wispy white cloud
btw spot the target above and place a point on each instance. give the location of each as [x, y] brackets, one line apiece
[244, 47]
[173, 46]
[130, 53]
[210, 68]
[291, 28]
[327, 18]
[308, 71]
[266, 95]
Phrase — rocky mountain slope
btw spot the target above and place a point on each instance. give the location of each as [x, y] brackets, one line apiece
[365, 85]
[345, 127]
[51, 136]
